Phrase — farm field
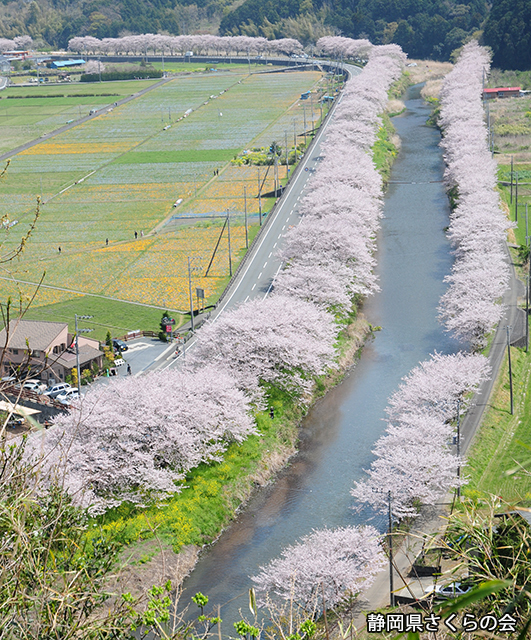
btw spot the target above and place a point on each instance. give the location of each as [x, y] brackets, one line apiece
[26, 113]
[116, 179]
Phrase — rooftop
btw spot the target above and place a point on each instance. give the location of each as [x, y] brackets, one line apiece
[37, 334]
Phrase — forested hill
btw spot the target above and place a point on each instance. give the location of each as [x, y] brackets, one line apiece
[423, 28]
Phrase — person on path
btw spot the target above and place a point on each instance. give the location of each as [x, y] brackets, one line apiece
[59, 249]
[128, 369]
[106, 242]
[136, 235]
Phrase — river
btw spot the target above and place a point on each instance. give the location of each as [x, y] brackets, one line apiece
[340, 430]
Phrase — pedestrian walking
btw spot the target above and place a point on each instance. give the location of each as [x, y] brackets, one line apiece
[128, 369]
[106, 242]
[142, 234]
[136, 235]
[59, 249]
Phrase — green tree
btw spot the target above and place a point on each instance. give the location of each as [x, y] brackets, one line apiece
[508, 33]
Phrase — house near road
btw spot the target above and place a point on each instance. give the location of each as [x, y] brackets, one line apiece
[502, 92]
[44, 350]
[5, 65]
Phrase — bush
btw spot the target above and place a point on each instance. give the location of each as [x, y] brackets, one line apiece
[122, 75]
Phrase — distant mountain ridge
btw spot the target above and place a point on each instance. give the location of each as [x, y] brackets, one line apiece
[429, 29]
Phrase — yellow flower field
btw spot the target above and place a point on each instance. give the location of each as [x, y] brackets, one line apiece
[58, 148]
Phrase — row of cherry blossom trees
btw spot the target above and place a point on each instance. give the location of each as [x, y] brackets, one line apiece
[329, 255]
[414, 459]
[171, 45]
[326, 564]
[471, 306]
[135, 439]
[329, 261]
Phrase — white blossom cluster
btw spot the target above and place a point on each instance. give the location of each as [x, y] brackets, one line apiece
[171, 45]
[330, 564]
[20, 43]
[471, 306]
[414, 459]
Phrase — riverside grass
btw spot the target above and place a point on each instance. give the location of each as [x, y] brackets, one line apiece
[499, 461]
[121, 173]
[211, 494]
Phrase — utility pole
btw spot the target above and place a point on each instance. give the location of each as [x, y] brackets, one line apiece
[527, 281]
[458, 443]
[287, 156]
[228, 233]
[304, 109]
[259, 197]
[190, 294]
[245, 210]
[510, 368]
[516, 199]
[390, 545]
[511, 179]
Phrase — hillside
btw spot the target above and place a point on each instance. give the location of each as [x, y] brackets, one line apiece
[424, 28]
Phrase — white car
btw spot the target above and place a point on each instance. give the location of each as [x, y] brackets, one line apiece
[34, 385]
[68, 396]
[56, 389]
[451, 590]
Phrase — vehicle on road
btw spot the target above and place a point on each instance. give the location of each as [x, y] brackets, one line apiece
[119, 345]
[68, 395]
[56, 389]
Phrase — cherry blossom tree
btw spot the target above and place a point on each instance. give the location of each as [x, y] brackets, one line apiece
[414, 460]
[134, 439]
[275, 340]
[337, 562]
[94, 66]
[471, 306]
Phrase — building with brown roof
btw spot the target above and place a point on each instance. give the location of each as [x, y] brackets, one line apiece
[44, 350]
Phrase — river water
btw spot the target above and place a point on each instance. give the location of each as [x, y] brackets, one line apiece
[339, 432]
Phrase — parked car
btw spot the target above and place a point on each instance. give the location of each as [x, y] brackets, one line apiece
[119, 345]
[56, 389]
[68, 395]
[451, 590]
[34, 385]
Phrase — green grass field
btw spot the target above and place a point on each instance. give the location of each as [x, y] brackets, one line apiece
[121, 173]
[26, 113]
[499, 461]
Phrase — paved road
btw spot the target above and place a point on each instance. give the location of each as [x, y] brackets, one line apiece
[261, 263]
[474, 416]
